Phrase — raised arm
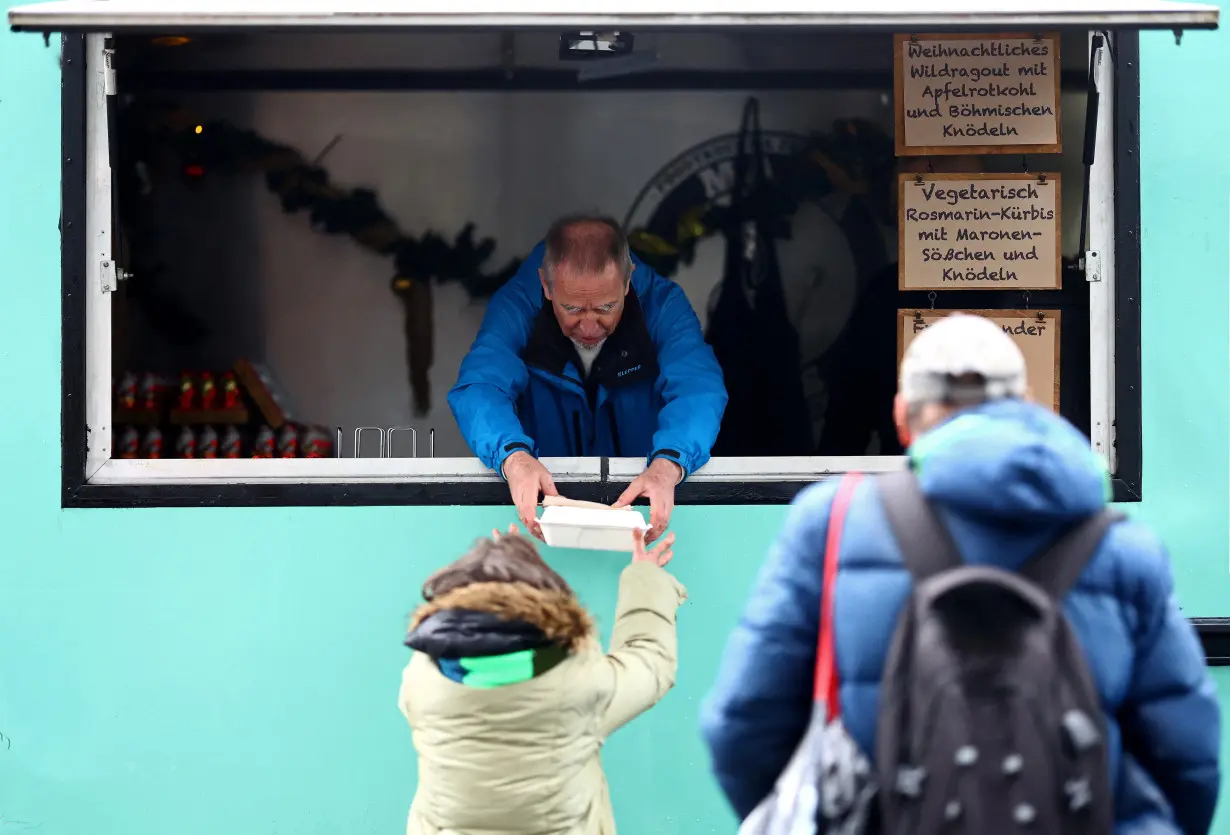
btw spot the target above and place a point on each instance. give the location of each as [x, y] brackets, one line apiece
[492, 375]
[691, 380]
[643, 658]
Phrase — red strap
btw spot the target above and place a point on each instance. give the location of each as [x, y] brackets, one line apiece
[826, 662]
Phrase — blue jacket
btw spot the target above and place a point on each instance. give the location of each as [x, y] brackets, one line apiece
[1004, 477]
[655, 390]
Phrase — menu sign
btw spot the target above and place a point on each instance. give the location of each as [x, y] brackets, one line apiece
[1035, 332]
[977, 94]
[978, 232]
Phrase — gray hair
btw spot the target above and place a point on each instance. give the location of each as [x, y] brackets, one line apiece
[589, 243]
[954, 392]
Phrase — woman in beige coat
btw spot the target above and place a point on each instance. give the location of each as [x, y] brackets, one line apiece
[510, 696]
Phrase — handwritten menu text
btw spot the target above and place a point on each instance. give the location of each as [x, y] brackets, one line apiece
[979, 231]
[992, 94]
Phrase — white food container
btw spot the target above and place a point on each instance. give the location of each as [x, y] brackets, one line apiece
[590, 529]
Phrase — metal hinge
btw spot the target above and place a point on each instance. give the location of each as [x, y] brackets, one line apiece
[1093, 267]
[110, 276]
[109, 77]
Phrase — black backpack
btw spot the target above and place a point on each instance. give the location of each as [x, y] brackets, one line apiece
[989, 720]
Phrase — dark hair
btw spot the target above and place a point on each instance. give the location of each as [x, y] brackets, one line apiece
[589, 242]
[508, 559]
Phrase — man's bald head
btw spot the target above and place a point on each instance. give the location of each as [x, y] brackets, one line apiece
[586, 245]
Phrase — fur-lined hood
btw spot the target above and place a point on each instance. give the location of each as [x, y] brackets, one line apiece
[557, 615]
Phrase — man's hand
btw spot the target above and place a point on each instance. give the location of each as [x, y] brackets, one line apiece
[657, 484]
[527, 477]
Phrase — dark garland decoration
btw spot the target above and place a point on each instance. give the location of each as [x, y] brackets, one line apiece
[300, 185]
[221, 147]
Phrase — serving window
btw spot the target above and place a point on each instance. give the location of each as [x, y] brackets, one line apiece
[278, 245]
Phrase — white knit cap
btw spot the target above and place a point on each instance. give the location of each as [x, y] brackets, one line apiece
[959, 345]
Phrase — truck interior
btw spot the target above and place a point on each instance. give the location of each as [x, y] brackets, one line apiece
[336, 208]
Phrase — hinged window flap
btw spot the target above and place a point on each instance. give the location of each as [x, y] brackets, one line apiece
[1099, 251]
[102, 272]
[898, 15]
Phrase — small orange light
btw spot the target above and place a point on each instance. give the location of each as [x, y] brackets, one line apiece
[198, 129]
[171, 40]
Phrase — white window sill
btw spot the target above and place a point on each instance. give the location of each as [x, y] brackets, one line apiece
[791, 468]
[325, 471]
[464, 470]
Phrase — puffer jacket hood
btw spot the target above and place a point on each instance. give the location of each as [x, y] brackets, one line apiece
[492, 618]
[1010, 461]
[1007, 479]
[497, 634]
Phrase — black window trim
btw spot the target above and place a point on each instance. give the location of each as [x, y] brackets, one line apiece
[1215, 639]
[77, 492]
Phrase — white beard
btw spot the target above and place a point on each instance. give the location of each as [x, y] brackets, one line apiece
[588, 354]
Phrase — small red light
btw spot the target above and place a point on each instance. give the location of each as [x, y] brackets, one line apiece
[194, 171]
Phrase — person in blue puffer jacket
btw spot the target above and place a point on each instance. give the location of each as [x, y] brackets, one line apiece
[588, 352]
[1006, 476]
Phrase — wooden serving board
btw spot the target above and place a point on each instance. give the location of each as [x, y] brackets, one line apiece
[560, 501]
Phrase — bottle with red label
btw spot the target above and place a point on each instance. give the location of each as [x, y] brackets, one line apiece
[262, 447]
[147, 393]
[187, 391]
[151, 444]
[207, 444]
[185, 444]
[288, 442]
[128, 446]
[315, 443]
[230, 391]
[232, 443]
[126, 391]
[209, 390]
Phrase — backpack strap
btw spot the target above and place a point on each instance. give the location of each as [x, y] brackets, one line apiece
[927, 548]
[827, 686]
[1058, 567]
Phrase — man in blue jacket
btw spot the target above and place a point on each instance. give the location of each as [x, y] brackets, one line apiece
[1006, 476]
[587, 352]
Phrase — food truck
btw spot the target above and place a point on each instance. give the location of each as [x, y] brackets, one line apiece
[250, 243]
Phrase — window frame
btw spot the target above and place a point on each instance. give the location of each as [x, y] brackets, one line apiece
[376, 15]
[91, 479]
